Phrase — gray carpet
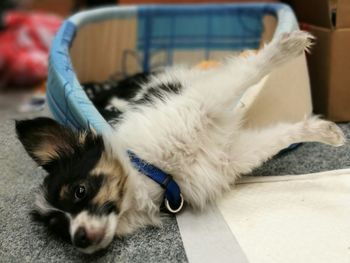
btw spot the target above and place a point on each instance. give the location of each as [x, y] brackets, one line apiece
[23, 241]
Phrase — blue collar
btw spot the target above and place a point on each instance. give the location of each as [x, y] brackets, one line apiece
[173, 199]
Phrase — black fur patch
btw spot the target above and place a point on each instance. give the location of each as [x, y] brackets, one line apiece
[127, 89]
[124, 89]
[160, 92]
[174, 87]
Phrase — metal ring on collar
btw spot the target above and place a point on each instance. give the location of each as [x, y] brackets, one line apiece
[174, 211]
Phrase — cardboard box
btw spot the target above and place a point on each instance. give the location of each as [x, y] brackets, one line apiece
[329, 61]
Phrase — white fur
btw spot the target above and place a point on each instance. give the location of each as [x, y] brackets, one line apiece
[118, 103]
[197, 136]
[104, 223]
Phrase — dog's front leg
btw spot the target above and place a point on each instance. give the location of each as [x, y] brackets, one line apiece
[251, 148]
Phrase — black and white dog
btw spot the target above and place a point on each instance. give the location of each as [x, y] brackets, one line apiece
[182, 121]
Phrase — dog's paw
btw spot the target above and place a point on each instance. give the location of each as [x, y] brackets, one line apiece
[296, 42]
[325, 131]
[288, 46]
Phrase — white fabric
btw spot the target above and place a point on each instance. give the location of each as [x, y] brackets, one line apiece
[291, 218]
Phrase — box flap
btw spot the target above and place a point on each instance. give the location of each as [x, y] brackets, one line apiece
[343, 13]
[315, 12]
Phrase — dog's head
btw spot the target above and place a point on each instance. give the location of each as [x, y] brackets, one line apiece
[81, 195]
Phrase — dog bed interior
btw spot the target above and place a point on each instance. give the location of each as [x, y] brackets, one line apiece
[118, 41]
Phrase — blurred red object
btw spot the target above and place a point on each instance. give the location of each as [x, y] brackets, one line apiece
[25, 40]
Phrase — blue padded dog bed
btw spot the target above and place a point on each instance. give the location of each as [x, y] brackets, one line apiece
[170, 27]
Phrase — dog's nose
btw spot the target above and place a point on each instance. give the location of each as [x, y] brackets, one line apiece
[84, 238]
[81, 239]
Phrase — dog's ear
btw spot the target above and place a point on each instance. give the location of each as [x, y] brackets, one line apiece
[45, 140]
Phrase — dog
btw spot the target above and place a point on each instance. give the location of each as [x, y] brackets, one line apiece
[181, 122]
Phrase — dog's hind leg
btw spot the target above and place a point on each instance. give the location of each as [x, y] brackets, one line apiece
[251, 148]
[224, 86]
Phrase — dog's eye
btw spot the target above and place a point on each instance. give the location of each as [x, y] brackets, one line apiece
[80, 192]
